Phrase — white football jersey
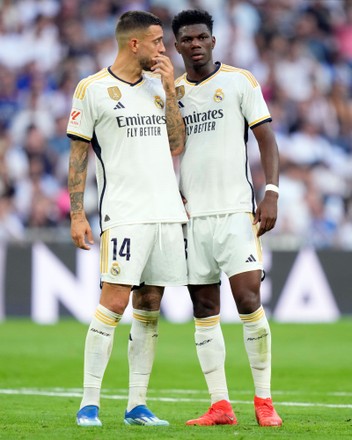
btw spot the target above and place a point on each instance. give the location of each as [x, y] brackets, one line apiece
[126, 126]
[215, 177]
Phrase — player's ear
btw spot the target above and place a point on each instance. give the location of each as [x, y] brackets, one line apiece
[133, 44]
[176, 47]
[213, 42]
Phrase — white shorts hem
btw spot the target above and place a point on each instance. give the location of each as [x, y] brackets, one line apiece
[166, 283]
[203, 282]
[250, 269]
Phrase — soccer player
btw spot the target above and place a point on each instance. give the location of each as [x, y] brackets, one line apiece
[218, 103]
[129, 114]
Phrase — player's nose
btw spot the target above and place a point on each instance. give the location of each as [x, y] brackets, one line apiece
[195, 42]
[162, 48]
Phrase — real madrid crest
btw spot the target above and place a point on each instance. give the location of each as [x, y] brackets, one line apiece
[115, 269]
[180, 92]
[158, 102]
[219, 95]
[114, 93]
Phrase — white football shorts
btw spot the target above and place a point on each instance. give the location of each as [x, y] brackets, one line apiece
[216, 243]
[150, 253]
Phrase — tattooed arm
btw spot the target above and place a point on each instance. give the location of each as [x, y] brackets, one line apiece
[174, 123]
[77, 174]
[175, 126]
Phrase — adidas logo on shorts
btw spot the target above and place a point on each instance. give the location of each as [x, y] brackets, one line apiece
[250, 259]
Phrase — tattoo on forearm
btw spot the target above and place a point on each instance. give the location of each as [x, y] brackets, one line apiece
[76, 200]
[79, 160]
[174, 124]
[77, 174]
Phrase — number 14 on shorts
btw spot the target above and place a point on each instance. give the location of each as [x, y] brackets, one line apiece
[122, 248]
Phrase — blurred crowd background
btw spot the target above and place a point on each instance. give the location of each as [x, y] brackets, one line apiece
[299, 50]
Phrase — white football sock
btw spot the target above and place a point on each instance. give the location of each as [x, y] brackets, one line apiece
[257, 341]
[141, 353]
[98, 346]
[211, 353]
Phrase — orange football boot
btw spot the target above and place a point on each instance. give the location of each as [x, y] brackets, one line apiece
[220, 413]
[265, 412]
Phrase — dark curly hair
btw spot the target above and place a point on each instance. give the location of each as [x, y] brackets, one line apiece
[192, 16]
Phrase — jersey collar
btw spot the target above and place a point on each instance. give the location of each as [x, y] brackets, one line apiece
[122, 80]
[196, 83]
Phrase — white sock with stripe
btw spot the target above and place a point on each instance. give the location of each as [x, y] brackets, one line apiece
[257, 341]
[141, 353]
[211, 353]
[98, 346]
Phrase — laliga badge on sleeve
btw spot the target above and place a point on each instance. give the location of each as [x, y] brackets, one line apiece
[75, 117]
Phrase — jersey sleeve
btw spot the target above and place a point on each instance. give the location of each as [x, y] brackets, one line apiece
[81, 122]
[254, 107]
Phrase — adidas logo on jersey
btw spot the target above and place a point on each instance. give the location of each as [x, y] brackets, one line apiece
[119, 105]
[250, 259]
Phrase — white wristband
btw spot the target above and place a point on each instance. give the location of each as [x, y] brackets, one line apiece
[271, 187]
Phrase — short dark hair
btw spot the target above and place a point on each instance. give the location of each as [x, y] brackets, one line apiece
[192, 16]
[132, 20]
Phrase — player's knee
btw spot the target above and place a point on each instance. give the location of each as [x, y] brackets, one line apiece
[148, 304]
[115, 297]
[205, 307]
[147, 298]
[247, 302]
[115, 306]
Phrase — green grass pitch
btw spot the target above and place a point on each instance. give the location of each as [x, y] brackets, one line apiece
[41, 377]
